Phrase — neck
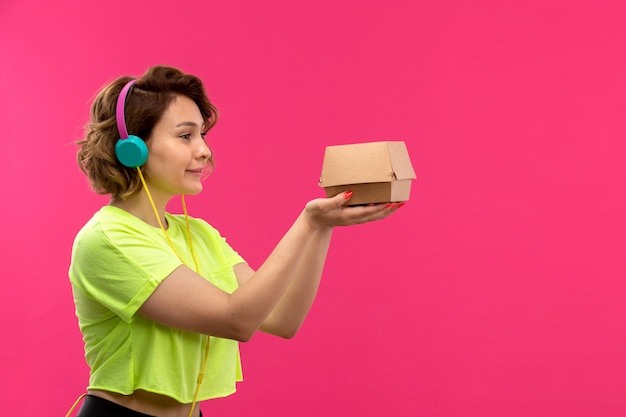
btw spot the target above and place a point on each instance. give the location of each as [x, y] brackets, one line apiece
[139, 206]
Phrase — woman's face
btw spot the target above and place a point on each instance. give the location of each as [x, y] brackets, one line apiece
[177, 152]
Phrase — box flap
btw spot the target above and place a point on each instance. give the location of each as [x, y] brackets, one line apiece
[400, 161]
[365, 163]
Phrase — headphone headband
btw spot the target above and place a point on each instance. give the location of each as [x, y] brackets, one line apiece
[130, 150]
[119, 109]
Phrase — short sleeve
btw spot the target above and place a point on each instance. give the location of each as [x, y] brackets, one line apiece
[119, 266]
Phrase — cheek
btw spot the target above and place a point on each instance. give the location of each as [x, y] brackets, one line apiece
[164, 167]
[154, 166]
[158, 156]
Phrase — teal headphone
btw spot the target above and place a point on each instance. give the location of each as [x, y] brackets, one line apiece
[130, 150]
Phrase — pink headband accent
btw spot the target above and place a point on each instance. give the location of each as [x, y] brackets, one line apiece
[119, 110]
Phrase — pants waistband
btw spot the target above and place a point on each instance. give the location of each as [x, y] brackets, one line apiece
[94, 406]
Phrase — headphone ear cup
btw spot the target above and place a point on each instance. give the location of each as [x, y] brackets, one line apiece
[132, 151]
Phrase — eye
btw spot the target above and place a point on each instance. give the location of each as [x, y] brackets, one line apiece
[203, 134]
[185, 136]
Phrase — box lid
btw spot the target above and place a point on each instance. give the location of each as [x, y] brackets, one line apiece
[366, 163]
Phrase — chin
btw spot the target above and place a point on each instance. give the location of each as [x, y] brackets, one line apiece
[192, 190]
[189, 187]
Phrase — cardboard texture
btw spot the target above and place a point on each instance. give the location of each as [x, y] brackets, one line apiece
[376, 172]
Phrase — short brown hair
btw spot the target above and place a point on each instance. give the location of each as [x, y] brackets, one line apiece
[151, 95]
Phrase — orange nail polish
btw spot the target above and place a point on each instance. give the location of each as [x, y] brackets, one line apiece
[347, 195]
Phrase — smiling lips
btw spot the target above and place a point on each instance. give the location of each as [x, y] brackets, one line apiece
[197, 172]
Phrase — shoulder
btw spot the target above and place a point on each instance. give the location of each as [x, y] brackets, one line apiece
[117, 244]
[95, 231]
[112, 227]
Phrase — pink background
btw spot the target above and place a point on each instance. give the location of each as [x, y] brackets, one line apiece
[497, 291]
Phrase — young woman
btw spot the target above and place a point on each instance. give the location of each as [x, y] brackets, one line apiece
[162, 300]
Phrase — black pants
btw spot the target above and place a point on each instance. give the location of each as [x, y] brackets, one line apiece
[99, 407]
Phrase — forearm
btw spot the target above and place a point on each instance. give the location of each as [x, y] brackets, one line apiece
[259, 295]
[290, 312]
[286, 284]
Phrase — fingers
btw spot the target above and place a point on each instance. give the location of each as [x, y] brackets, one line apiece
[342, 198]
[369, 213]
[328, 204]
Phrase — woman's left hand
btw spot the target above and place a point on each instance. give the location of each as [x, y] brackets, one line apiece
[331, 212]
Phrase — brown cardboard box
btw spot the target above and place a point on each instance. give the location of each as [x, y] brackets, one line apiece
[376, 172]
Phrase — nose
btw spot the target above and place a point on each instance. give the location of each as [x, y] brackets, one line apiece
[203, 151]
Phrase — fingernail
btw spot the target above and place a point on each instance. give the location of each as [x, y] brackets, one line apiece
[401, 204]
[347, 195]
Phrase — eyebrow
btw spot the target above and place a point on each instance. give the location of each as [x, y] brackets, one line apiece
[191, 124]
